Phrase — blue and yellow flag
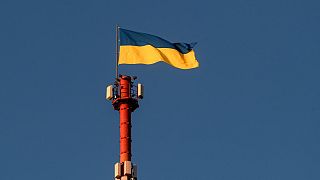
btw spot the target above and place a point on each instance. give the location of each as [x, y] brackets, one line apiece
[142, 48]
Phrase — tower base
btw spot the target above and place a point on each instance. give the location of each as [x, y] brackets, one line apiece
[125, 171]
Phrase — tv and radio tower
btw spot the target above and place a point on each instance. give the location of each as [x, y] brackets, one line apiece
[125, 95]
[139, 48]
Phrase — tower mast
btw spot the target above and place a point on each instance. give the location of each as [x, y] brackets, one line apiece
[125, 100]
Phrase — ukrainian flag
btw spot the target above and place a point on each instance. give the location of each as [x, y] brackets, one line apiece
[142, 48]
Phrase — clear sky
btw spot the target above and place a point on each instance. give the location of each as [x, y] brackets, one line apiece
[250, 112]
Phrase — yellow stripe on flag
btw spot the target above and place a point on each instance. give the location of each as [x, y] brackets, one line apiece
[149, 55]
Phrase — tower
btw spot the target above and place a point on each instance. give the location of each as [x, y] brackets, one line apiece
[125, 95]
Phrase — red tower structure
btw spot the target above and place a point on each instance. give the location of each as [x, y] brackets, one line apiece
[125, 100]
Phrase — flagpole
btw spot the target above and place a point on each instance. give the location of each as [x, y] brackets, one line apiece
[117, 50]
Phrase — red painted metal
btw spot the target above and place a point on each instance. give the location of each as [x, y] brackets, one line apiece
[125, 133]
[125, 104]
[125, 121]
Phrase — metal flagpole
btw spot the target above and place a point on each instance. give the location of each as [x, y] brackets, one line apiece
[117, 50]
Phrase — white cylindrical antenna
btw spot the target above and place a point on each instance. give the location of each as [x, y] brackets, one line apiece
[140, 91]
[109, 92]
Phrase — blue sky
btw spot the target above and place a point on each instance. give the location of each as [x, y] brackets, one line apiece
[250, 112]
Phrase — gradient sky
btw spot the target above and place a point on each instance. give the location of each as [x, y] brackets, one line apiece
[250, 112]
